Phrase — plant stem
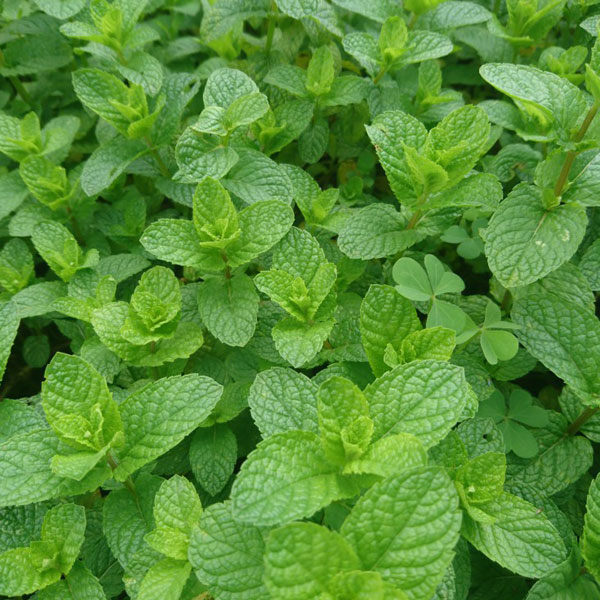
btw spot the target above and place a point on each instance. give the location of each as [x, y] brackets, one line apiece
[270, 28]
[159, 161]
[414, 219]
[506, 299]
[571, 154]
[20, 89]
[379, 75]
[585, 416]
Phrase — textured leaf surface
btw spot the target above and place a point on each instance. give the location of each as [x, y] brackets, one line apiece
[301, 559]
[281, 400]
[386, 317]
[229, 308]
[524, 241]
[228, 555]
[521, 539]
[287, 477]
[160, 415]
[564, 337]
[406, 527]
[423, 398]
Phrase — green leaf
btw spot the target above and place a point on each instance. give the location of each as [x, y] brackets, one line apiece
[344, 422]
[213, 454]
[9, 325]
[435, 343]
[282, 399]
[286, 477]
[224, 86]
[590, 544]
[255, 177]
[16, 265]
[301, 559]
[414, 514]
[521, 538]
[389, 456]
[562, 459]
[481, 479]
[376, 231]
[298, 342]
[385, 318]
[74, 388]
[164, 580]
[525, 241]
[229, 308]
[214, 215]
[228, 555]
[177, 510]
[59, 248]
[564, 337]
[549, 99]
[386, 132]
[412, 280]
[152, 425]
[424, 398]
[79, 584]
[27, 477]
[126, 522]
[262, 225]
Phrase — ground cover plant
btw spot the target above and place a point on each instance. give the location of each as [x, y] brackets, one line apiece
[298, 299]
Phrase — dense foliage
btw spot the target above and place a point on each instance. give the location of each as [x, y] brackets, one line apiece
[298, 299]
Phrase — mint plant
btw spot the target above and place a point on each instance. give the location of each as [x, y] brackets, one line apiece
[298, 300]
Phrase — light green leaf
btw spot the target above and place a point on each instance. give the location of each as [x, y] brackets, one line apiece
[590, 544]
[521, 538]
[262, 225]
[287, 477]
[344, 423]
[59, 248]
[551, 100]
[9, 325]
[425, 398]
[565, 337]
[376, 231]
[406, 527]
[435, 343]
[256, 177]
[524, 241]
[298, 342]
[229, 308]
[390, 456]
[224, 86]
[301, 559]
[385, 318]
[74, 387]
[164, 580]
[228, 555]
[153, 424]
[26, 474]
[79, 584]
[282, 399]
[213, 454]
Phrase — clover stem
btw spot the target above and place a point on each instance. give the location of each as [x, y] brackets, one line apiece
[571, 154]
[580, 421]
